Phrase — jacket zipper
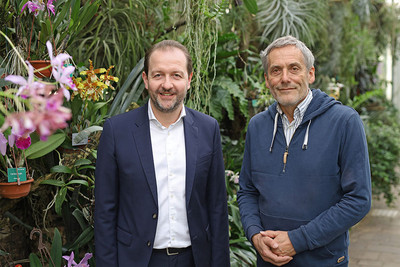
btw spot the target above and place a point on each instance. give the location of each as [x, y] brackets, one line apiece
[285, 155]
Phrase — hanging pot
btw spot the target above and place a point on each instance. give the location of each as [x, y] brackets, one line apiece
[41, 64]
[13, 190]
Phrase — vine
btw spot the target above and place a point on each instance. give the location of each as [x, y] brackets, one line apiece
[201, 38]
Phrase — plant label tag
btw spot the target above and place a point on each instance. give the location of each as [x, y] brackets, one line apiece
[12, 174]
[83, 141]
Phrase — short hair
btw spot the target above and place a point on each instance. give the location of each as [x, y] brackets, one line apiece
[164, 45]
[286, 41]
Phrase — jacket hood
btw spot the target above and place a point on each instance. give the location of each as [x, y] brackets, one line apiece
[320, 103]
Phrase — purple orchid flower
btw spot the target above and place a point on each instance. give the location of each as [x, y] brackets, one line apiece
[82, 263]
[3, 144]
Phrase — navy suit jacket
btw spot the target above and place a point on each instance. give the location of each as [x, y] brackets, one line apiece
[126, 208]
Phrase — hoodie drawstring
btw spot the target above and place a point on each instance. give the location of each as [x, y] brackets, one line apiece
[275, 129]
[305, 143]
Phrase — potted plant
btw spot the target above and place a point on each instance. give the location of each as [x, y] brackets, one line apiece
[35, 107]
[38, 21]
[19, 180]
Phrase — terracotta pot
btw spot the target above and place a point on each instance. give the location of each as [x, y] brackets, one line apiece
[38, 64]
[13, 190]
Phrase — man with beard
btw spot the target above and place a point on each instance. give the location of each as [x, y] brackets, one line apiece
[305, 177]
[160, 183]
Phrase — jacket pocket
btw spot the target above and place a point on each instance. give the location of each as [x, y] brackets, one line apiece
[124, 237]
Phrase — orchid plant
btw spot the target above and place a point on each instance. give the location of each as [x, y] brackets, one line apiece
[57, 20]
[89, 102]
[35, 106]
[35, 7]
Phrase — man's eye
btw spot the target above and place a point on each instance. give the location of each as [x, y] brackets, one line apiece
[275, 71]
[157, 75]
[176, 75]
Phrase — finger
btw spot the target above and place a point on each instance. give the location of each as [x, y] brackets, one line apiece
[270, 242]
[269, 233]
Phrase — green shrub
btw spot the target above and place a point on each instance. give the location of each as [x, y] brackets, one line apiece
[383, 137]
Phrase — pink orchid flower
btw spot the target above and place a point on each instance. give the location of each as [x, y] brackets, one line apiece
[50, 7]
[21, 123]
[28, 87]
[65, 80]
[23, 142]
[60, 73]
[34, 7]
[58, 61]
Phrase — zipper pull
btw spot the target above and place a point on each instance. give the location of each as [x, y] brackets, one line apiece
[285, 155]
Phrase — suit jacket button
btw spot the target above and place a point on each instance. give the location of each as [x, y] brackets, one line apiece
[148, 243]
[154, 215]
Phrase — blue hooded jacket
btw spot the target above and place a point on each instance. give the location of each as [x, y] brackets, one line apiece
[323, 189]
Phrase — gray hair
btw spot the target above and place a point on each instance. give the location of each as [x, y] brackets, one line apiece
[285, 41]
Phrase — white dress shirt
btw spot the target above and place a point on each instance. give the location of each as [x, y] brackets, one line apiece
[169, 156]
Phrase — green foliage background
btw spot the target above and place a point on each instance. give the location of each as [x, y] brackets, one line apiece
[224, 37]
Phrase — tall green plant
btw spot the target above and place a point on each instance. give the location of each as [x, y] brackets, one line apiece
[119, 35]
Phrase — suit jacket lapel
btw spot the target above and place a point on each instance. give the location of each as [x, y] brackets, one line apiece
[191, 143]
[141, 134]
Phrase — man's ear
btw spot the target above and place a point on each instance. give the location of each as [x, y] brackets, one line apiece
[311, 75]
[190, 79]
[266, 80]
[145, 80]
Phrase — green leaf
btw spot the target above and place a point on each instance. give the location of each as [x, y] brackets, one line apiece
[42, 148]
[78, 214]
[75, 11]
[60, 198]
[89, 10]
[82, 182]
[34, 260]
[60, 169]
[53, 182]
[80, 162]
[56, 249]
[86, 236]
[61, 15]
[251, 6]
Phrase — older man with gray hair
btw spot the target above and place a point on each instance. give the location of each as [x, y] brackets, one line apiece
[305, 178]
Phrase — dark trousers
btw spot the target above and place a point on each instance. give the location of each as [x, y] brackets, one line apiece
[161, 259]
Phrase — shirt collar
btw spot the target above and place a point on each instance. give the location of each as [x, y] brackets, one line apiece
[301, 107]
[153, 118]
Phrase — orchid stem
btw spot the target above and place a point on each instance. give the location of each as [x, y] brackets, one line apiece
[30, 39]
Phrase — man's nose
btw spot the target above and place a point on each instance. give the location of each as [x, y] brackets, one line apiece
[285, 76]
[167, 83]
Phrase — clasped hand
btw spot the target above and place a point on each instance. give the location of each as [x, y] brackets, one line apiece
[274, 247]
